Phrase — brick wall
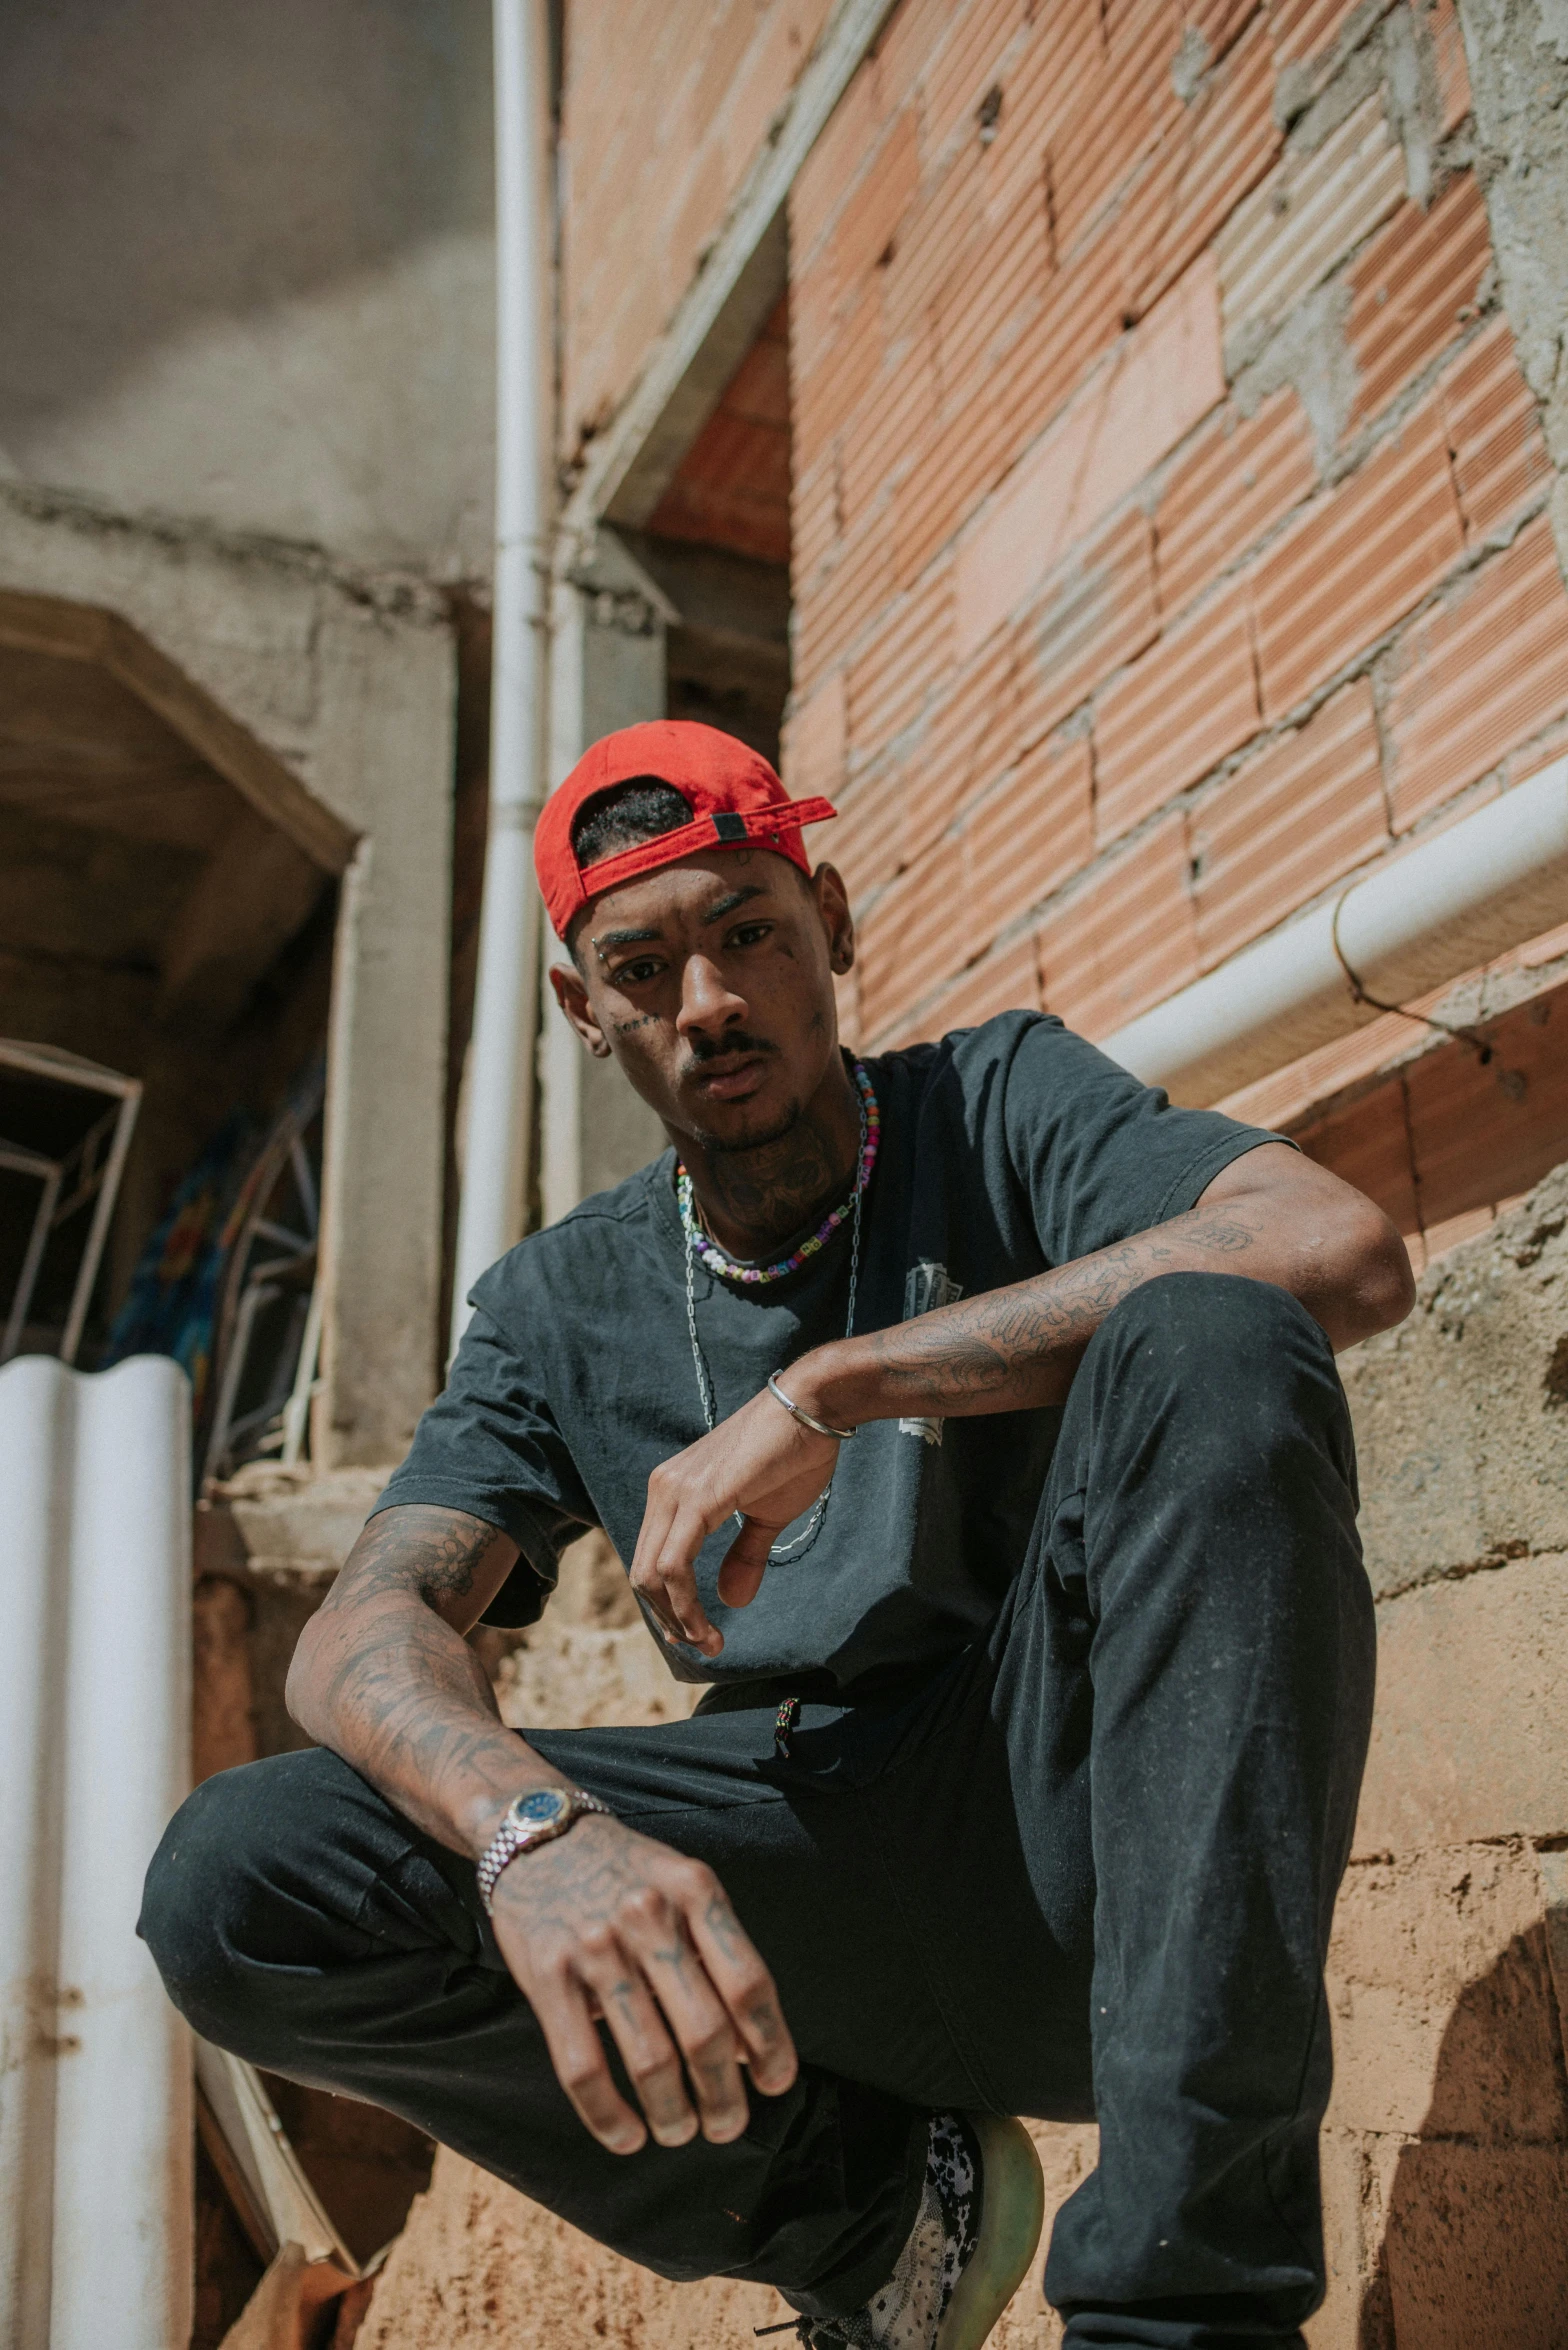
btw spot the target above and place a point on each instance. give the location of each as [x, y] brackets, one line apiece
[1169, 507]
[664, 104]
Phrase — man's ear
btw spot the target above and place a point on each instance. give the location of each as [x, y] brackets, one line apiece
[837, 920]
[571, 993]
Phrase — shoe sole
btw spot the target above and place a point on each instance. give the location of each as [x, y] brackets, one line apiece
[1012, 2214]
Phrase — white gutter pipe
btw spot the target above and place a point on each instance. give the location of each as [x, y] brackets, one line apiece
[500, 1074]
[1469, 893]
[95, 2099]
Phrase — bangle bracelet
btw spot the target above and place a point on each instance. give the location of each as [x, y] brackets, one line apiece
[817, 1427]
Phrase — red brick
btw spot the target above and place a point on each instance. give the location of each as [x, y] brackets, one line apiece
[945, 223]
[835, 163]
[1028, 835]
[1476, 1143]
[1126, 941]
[1287, 824]
[1005, 980]
[1051, 80]
[982, 314]
[958, 466]
[1243, 474]
[1078, 321]
[1307, 28]
[1099, 611]
[1356, 562]
[845, 599]
[1481, 672]
[830, 386]
[966, 65]
[1175, 714]
[1413, 290]
[1369, 1145]
[813, 523]
[903, 664]
[1220, 22]
[1133, 105]
[733, 486]
[1494, 432]
[867, 226]
[969, 739]
[1221, 147]
[867, 841]
[1161, 380]
[1437, 21]
[915, 934]
[770, 67]
[814, 742]
[892, 427]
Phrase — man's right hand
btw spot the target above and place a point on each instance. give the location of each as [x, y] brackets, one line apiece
[603, 1922]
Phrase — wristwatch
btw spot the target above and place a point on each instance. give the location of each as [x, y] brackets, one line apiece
[536, 1818]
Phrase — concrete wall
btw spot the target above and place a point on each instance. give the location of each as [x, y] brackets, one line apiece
[247, 270]
[354, 694]
[1171, 532]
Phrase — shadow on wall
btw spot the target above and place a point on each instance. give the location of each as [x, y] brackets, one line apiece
[1475, 2241]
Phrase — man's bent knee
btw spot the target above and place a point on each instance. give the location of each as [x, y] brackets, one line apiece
[240, 1892]
[185, 1919]
[1240, 1359]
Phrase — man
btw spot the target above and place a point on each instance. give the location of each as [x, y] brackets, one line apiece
[968, 1417]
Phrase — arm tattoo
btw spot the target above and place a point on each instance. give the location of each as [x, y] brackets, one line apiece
[1005, 1339]
[386, 1682]
[435, 1553]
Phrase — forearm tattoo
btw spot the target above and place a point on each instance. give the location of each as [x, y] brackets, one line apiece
[1005, 1338]
[391, 1687]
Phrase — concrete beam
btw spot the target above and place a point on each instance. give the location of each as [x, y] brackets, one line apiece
[87, 632]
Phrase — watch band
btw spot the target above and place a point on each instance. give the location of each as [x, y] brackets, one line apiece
[518, 1834]
[797, 1412]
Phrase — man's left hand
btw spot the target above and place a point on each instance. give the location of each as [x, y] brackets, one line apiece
[760, 1462]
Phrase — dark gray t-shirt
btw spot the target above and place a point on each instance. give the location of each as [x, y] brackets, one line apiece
[1005, 1150]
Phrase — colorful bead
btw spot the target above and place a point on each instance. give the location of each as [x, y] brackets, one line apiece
[714, 1257]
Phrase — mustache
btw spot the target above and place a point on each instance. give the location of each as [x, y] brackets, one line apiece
[736, 1040]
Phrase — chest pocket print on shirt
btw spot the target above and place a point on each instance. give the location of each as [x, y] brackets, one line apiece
[927, 1285]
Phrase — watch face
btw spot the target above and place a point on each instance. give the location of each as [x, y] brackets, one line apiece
[542, 1809]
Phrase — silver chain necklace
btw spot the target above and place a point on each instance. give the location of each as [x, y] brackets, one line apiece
[813, 1527]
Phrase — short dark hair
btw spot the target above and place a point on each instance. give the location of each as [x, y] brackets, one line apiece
[626, 814]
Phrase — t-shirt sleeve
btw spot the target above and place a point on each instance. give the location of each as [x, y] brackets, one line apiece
[1101, 1154]
[488, 1445]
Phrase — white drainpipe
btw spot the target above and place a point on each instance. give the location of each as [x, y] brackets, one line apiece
[95, 2093]
[500, 1076]
[1455, 901]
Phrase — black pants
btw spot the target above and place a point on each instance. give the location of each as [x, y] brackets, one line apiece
[1084, 1869]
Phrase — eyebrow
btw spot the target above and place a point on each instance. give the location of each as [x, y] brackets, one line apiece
[716, 913]
[624, 938]
[736, 897]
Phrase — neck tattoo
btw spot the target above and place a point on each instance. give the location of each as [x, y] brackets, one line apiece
[729, 1268]
[717, 1261]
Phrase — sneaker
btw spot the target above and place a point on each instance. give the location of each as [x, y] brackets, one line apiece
[973, 2239]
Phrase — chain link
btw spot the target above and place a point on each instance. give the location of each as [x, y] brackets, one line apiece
[804, 1540]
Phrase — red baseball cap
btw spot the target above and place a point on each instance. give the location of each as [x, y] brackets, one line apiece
[734, 796]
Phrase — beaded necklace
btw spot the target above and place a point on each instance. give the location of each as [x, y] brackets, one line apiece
[717, 1261]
